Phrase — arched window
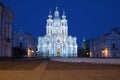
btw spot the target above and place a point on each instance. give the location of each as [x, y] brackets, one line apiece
[20, 45]
[62, 24]
[114, 55]
[47, 42]
[65, 24]
[51, 31]
[113, 46]
[62, 31]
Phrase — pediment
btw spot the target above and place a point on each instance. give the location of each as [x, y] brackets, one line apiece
[113, 36]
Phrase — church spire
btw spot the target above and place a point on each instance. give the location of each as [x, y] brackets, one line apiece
[50, 15]
[56, 8]
[63, 16]
[84, 43]
[56, 13]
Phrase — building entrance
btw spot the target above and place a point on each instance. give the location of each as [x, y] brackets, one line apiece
[58, 52]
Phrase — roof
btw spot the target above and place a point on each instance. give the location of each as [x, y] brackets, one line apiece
[115, 30]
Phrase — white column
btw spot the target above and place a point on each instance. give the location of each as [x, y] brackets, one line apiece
[72, 51]
[76, 50]
[66, 51]
[62, 51]
[47, 30]
[54, 50]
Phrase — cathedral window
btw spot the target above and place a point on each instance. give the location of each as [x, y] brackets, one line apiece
[65, 32]
[62, 24]
[62, 32]
[58, 41]
[49, 24]
[65, 24]
[51, 31]
[48, 42]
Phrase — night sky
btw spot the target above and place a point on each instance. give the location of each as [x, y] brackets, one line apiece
[89, 18]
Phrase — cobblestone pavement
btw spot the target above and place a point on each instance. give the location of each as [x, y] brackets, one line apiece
[43, 73]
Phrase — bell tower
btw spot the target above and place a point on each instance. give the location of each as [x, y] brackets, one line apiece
[56, 13]
[49, 24]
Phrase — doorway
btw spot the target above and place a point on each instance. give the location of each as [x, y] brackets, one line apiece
[58, 52]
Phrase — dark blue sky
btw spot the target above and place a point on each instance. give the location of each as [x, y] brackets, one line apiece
[89, 18]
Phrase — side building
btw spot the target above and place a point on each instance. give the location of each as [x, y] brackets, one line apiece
[6, 20]
[107, 45]
[25, 42]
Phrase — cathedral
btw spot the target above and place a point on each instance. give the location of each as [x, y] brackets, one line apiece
[57, 42]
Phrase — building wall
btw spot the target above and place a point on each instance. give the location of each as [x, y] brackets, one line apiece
[25, 41]
[6, 20]
[107, 45]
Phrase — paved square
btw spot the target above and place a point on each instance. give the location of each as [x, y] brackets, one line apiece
[67, 72]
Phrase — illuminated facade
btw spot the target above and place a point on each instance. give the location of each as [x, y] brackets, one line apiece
[6, 20]
[56, 42]
[107, 45]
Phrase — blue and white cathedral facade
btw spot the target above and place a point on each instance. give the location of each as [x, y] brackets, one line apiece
[56, 42]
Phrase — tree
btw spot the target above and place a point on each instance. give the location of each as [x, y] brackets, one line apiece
[19, 52]
[84, 51]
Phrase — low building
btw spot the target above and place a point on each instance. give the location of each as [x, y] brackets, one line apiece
[107, 45]
[6, 20]
[25, 42]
